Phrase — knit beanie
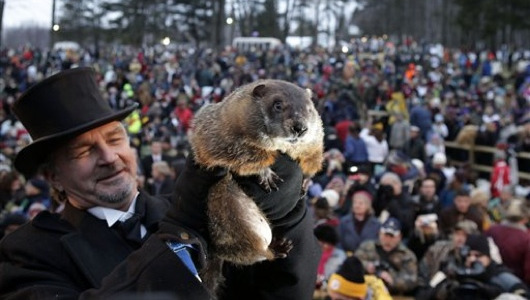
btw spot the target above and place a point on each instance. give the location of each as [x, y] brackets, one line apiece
[327, 234]
[478, 242]
[349, 279]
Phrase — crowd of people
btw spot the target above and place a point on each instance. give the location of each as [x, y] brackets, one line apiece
[394, 214]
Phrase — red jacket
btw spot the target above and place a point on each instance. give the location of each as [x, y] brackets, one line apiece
[500, 177]
[184, 115]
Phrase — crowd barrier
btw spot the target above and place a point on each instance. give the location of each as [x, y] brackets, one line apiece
[480, 158]
[483, 163]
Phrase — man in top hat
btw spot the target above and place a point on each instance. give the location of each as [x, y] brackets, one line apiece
[389, 259]
[112, 240]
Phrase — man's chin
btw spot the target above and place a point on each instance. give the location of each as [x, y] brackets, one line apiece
[117, 196]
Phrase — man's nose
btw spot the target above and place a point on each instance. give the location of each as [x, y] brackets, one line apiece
[107, 155]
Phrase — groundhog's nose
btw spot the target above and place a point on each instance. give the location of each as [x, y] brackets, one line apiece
[299, 129]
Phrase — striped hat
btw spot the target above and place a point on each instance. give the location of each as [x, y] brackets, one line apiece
[349, 279]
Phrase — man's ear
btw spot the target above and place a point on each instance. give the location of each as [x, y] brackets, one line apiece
[52, 178]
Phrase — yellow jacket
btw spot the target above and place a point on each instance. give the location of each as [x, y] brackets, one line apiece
[376, 289]
[397, 105]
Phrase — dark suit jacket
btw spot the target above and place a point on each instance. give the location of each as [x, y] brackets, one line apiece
[147, 164]
[75, 255]
[166, 188]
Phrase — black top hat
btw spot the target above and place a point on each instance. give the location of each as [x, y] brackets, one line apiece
[59, 108]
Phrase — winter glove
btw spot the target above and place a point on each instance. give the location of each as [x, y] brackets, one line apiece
[285, 206]
[189, 200]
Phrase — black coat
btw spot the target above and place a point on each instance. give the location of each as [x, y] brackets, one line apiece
[75, 255]
[165, 190]
[147, 164]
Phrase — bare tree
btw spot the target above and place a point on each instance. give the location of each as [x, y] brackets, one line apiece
[34, 35]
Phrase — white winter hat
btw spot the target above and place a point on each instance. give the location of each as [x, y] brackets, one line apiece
[332, 196]
[439, 159]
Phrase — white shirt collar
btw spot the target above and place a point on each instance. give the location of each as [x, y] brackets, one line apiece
[113, 215]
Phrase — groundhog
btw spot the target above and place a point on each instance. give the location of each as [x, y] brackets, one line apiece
[244, 133]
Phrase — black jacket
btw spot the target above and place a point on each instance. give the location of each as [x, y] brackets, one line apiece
[75, 255]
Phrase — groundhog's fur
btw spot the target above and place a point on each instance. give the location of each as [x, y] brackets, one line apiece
[244, 133]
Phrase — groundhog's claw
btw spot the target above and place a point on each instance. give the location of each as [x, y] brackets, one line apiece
[281, 247]
[268, 180]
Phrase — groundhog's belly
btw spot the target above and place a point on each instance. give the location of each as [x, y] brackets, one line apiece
[257, 224]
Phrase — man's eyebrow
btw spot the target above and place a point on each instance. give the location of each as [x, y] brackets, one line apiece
[118, 129]
[76, 145]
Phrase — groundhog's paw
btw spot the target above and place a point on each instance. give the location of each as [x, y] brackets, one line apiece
[281, 247]
[268, 180]
[305, 186]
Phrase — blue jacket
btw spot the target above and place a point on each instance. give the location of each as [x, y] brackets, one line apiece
[421, 117]
[355, 149]
[349, 239]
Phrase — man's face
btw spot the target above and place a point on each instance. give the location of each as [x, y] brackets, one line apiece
[362, 178]
[361, 204]
[156, 148]
[396, 187]
[388, 241]
[97, 168]
[428, 189]
[462, 203]
[474, 256]
[459, 238]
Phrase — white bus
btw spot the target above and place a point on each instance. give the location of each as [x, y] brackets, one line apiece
[257, 43]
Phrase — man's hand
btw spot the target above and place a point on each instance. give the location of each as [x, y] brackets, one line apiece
[283, 207]
[387, 278]
[190, 196]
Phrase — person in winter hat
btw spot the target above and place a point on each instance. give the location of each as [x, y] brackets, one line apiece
[350, 282]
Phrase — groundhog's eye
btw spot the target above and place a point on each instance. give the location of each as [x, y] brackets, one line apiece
[277, 106]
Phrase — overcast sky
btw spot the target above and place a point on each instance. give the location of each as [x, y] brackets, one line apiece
[20, 12]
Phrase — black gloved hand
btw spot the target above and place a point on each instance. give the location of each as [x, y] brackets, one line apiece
[283, 207]
[189, 200]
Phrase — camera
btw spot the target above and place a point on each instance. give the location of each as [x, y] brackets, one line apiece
[428, 219]
[466, 279]
[381, 266]
[457, 268]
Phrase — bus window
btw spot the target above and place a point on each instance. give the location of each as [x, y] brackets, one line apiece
[261, 43]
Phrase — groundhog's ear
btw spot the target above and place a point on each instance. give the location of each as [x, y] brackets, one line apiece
[259, 91]
[312, 96]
